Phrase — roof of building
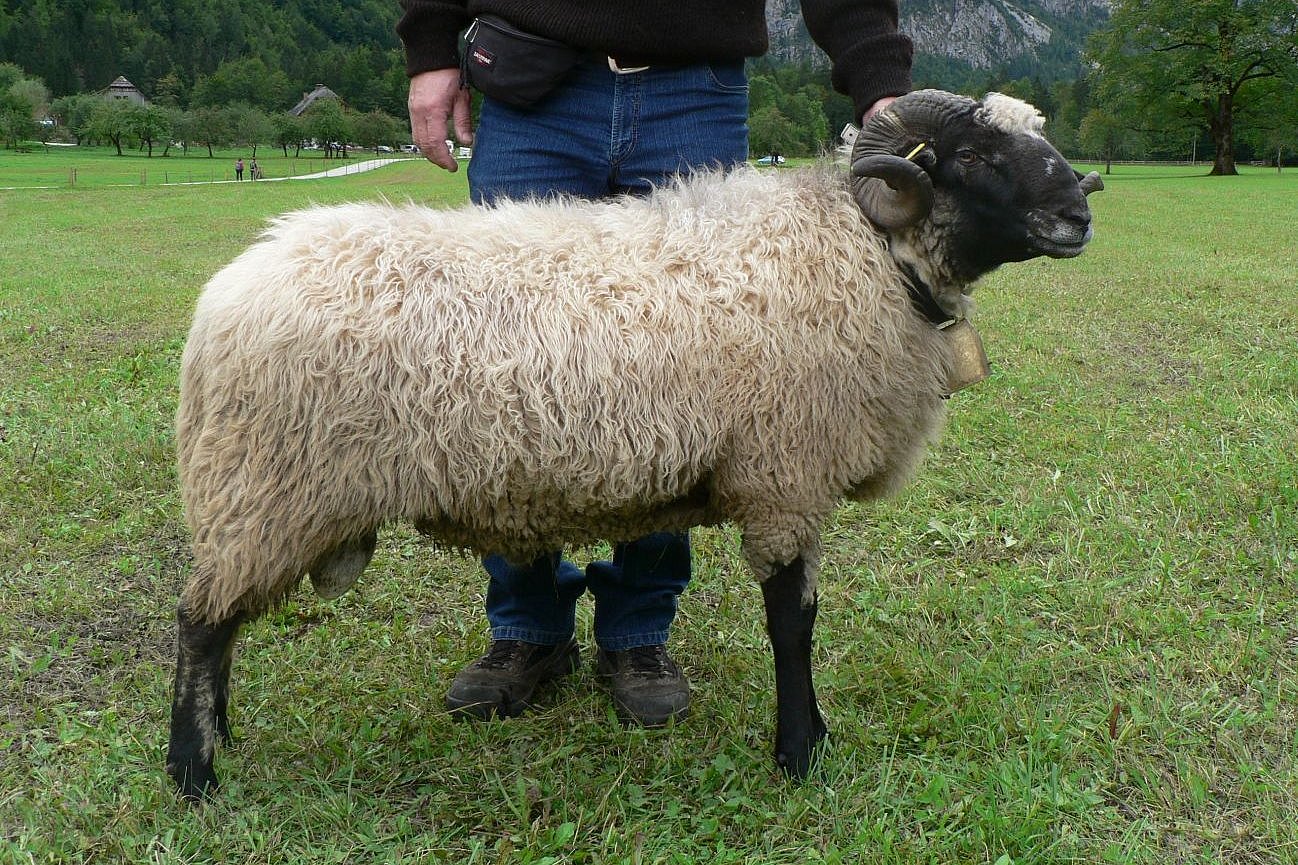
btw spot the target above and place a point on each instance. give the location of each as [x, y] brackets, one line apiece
[309, 99]
[123, 89]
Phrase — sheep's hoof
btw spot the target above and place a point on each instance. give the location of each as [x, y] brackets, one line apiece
[338, 570]
[195, 780]
[797, 759]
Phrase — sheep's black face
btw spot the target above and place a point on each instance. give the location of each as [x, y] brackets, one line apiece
[1006, 198]
[965, 186]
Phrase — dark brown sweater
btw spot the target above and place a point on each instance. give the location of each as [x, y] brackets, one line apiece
[871, 59]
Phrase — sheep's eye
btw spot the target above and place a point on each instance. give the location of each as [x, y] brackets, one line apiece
[966, 157]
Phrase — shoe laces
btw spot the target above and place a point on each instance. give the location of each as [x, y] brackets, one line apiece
[500, 655]
[648, 661]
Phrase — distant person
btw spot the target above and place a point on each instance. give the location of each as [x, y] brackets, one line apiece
[254, 170]
[238, 168]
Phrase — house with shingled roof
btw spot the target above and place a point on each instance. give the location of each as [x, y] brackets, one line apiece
[310, 98]
[123, 89]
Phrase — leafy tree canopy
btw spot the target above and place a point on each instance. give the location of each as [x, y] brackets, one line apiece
[1167, 64]
[168, 48]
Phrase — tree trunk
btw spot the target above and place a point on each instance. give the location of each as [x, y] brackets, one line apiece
[1221, 123]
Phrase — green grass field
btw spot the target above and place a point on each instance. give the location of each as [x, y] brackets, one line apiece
[94, 167]
[1073, 639]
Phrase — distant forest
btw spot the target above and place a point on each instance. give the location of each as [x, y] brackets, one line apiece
[267, 53]
[181, 52]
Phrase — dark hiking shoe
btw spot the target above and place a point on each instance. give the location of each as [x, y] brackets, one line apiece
[501, 682]
[647, 686]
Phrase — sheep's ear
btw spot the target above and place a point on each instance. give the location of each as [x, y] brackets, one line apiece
[892, 192]
[1089, 182]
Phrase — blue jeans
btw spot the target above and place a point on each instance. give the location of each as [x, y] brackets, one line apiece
[600, 134]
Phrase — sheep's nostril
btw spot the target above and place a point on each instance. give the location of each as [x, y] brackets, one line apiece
[1078, 216]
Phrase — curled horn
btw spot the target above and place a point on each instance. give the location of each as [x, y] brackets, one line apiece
[1089, 182]
[892, 190]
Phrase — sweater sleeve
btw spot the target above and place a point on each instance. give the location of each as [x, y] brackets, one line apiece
[871, 59]
[430, 32]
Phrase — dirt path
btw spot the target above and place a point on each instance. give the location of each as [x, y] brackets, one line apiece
[340, 171]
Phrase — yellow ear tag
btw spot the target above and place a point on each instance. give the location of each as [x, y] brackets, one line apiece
[918, 148]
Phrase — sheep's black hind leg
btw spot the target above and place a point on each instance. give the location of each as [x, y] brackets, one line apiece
[199, 709]
[223, 693]
[799, 727]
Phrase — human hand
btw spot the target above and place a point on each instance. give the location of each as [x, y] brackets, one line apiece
[436, 102]
[876, 108]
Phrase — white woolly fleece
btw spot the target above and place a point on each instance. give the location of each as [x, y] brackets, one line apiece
[1011, 115]
[732, 348]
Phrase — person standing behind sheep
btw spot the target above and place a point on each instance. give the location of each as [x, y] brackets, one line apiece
[597, 100]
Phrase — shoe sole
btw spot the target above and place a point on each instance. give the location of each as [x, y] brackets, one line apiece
[630, 718]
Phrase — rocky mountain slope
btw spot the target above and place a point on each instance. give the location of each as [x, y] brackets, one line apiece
[1036, 38]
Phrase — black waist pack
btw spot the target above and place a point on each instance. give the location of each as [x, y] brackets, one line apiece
[511, 65]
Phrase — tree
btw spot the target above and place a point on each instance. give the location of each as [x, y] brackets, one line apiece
[287, 130]
[247, 80]
[74, 112]
[790, 110]
[16, 122]
[1271, 123]
[374, 128]
[189, 128]
[1162, 62]
[23, 101]
[329, 124]
[1104, 135]
[249, 126]
[769, 131]
[209, 127]
[1071, 99]
[169, 90]
[150, 123]
[112, 119]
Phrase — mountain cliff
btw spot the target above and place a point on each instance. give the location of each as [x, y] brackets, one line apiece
[957, 38]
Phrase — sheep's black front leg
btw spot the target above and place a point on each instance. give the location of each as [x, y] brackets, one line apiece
[799, 726]
[200, 705]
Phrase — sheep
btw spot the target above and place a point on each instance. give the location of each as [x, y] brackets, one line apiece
[738, 347]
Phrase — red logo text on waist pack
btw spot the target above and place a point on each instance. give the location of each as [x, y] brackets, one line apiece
[482, 57]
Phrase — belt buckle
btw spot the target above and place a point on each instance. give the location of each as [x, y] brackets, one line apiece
[624, 70]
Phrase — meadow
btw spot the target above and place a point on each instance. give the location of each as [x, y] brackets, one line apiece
[55, 167]
[1073, 639]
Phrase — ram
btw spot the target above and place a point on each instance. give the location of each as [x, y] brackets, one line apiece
[738, 347]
